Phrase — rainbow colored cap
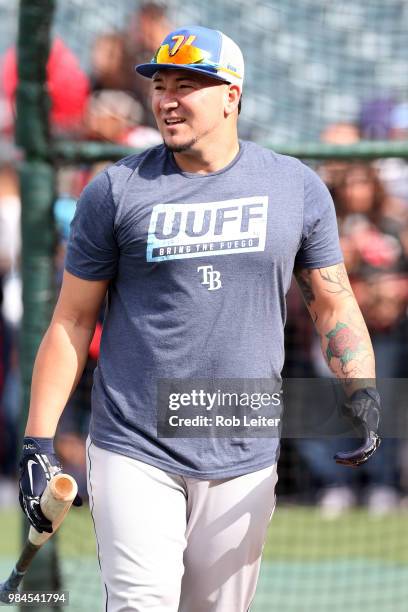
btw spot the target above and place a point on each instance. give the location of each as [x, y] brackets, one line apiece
[199, 49]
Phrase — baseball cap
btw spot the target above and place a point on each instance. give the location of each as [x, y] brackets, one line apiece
[201, 50]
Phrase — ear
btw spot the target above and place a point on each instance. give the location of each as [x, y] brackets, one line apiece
[232, 97]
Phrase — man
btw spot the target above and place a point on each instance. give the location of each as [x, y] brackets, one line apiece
[195, 242]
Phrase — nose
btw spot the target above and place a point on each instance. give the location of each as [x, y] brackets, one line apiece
[168, 102]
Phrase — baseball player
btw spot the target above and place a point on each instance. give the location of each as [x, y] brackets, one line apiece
[194, 242]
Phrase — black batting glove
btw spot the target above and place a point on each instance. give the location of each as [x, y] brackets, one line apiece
[363, 409]
[37, 466]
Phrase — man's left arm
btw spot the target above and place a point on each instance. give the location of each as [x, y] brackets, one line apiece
[347, 348]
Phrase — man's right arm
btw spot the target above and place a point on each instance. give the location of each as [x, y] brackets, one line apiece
[63, 352]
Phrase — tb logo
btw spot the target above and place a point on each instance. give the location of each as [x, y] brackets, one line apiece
[211, 277]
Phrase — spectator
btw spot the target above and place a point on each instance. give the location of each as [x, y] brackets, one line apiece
[147, 29]
[68, 86]
[109, 63]
[394, 171]
[114, 116]
[115, 54]
[375, 119]
[366, 212]
[337, 134]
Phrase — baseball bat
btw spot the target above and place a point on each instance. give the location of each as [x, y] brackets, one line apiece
[55, 503]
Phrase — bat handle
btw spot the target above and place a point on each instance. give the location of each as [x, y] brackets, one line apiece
[13, 581]
[29, 551]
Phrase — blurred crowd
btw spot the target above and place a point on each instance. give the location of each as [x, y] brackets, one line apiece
[110, 103]
[371, 200]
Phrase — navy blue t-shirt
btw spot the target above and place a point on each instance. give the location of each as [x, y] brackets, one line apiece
[199, 265]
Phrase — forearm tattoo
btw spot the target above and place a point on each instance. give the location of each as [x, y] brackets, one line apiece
[305, 285]
[336, 280]
[345, 345]
[343, 334]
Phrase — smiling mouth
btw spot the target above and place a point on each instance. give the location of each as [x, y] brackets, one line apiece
[171, 122]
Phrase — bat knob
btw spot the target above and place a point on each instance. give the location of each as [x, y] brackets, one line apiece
[5, 591]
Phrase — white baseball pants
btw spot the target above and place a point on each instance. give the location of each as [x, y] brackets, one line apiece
[174, 544]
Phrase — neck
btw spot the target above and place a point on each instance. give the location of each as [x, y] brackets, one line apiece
[212, 159]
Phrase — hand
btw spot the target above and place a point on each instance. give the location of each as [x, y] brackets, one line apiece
[363, 408]
[37, 466]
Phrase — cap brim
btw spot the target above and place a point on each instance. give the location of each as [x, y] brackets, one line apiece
[148, 70]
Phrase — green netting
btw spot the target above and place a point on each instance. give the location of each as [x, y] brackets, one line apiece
[309, 63]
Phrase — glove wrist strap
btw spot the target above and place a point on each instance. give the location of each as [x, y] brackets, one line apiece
[370, 392]
[32, 444]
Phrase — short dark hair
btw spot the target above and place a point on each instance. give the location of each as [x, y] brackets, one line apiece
[240, 105]
[154, 10]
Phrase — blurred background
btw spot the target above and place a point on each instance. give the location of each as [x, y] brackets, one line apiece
[317, 73]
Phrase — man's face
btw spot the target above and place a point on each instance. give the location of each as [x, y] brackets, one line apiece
[188, 107]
